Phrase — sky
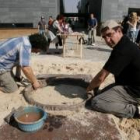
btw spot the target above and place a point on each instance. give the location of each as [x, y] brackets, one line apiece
[71, 6]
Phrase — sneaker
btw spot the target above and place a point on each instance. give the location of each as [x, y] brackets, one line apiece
[93, 44]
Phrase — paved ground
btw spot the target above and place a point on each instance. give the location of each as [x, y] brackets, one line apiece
[99, 52]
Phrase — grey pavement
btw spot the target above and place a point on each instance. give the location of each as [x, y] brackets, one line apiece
[99, 52]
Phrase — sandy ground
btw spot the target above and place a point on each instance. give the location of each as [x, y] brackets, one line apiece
[8, 33]
[93, 60]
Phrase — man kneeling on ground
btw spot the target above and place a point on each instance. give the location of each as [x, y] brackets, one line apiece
[121, 98]
[16, 52]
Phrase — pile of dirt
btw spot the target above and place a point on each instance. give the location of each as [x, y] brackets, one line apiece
[59, 95]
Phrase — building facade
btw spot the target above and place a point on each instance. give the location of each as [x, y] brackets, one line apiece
[110, 9]
[116, 9]
[30, 11]
[27, 11]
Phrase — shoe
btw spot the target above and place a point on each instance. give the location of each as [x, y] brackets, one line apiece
[93, 44]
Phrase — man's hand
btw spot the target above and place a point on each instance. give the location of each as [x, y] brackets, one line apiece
[36, 85]
[89, 28]
[39, 84]
[90, 94]
[88, 89]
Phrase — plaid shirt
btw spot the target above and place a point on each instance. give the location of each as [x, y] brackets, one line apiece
[14, 51]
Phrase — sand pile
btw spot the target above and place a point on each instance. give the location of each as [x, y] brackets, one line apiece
[59, 95]
[58, 65]
[50, 65]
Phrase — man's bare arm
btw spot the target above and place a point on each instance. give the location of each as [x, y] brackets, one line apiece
[98, 80]
[31, 77]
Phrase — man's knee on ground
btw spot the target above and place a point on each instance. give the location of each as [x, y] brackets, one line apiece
[99, 104]
[9, 90]
[95, 104]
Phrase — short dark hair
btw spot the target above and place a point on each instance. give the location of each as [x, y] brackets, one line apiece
[38, 41]
[59, 17]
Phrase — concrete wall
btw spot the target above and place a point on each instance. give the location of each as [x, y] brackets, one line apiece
[83, 4]
[115, 9]
[27, 11]
[95, 7]
[111, 9]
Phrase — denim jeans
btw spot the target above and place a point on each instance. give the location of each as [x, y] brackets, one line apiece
[42, 32]
[132, 35]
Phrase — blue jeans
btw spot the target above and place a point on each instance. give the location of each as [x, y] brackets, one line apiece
[132, 35]
[41, 32]
[137, 31]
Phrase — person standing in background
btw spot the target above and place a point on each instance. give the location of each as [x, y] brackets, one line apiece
[92, 25]
[132, 23]
[124, 24]
[50, 22]
[42, 26]
[53, 33]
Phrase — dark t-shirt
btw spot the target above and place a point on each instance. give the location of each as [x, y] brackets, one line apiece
[124, 63]
[42, 25]
[92, 22]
